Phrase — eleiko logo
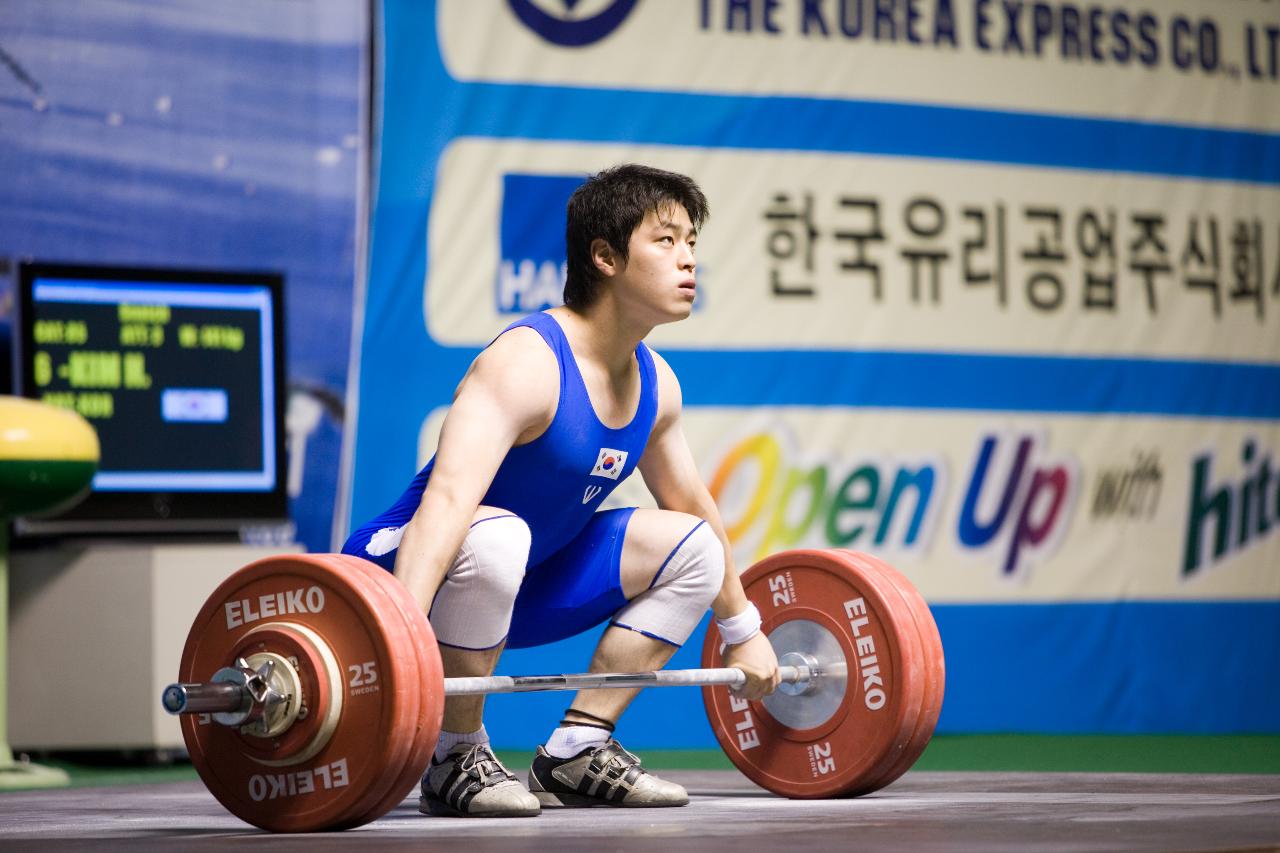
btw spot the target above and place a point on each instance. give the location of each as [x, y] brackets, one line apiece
[567, 31]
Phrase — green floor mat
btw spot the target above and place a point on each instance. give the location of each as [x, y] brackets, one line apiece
[1105, 753]
[1040, 753]
[972, 753]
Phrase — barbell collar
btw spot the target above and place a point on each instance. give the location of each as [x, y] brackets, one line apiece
[218, 697]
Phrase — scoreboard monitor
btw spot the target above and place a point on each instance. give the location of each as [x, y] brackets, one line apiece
[181, 372]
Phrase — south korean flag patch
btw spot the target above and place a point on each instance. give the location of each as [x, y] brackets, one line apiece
[610, 463]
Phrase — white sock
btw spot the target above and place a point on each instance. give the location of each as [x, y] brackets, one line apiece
[448, 740]
[568, 741]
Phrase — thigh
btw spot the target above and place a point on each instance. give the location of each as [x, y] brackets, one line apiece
[379, 540]
[652, 538]
[575, 588]
[617, 556]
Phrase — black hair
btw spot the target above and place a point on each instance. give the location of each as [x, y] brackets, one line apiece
[611, 205]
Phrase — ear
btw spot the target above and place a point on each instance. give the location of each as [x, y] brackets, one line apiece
[606, 260]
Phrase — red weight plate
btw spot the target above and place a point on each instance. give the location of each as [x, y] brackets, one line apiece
[361, 572]
[935, 666]
[372, 702]
[430, 696]
[912, 673]
[401, 742]
[863, 618]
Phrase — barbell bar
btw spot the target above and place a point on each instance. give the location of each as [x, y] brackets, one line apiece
[229, 697]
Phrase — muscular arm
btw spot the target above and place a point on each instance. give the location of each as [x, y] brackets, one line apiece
[672, 477]
[508, 397]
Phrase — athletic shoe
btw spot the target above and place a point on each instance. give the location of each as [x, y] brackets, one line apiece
[603, 775]
[471, 782]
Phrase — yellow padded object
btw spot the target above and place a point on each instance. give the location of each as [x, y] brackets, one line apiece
[48, 457]
[32, 430]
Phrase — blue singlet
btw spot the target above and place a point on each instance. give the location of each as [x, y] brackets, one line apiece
[555, 483]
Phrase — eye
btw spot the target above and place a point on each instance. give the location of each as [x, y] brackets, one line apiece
[667, 240]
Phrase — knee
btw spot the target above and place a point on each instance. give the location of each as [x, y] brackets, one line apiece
[494, 556]
[684, 587]
[696, 566]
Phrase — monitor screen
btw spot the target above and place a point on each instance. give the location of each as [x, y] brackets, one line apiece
[181, 372]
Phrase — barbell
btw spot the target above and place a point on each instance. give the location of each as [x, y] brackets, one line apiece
[325, 689]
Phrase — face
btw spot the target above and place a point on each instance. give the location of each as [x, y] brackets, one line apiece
[657, 282]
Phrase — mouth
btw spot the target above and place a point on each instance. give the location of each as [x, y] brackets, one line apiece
[689, 286]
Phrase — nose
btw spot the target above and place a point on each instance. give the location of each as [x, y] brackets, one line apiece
[687, 259]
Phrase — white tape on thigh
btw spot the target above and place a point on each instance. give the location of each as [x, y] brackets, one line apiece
[682, 591]
[473, 607]
[384, 541]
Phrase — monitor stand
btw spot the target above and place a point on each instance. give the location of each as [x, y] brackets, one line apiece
[96, 632]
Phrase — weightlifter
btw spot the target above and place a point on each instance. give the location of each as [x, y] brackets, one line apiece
[500, 537]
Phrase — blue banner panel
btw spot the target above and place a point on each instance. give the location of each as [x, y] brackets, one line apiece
[1122, 668]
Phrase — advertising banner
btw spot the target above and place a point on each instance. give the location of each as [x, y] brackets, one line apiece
[989, 289]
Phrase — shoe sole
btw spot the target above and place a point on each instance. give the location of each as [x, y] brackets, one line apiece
[549, 800]
[439, 808]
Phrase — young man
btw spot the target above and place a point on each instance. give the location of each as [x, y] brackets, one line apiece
[500, 539]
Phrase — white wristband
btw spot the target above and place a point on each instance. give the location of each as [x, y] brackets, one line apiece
[740, 628]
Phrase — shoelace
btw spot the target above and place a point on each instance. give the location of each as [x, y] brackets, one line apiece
[479, 763]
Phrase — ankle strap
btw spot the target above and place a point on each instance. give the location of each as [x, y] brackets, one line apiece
[591, 720]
